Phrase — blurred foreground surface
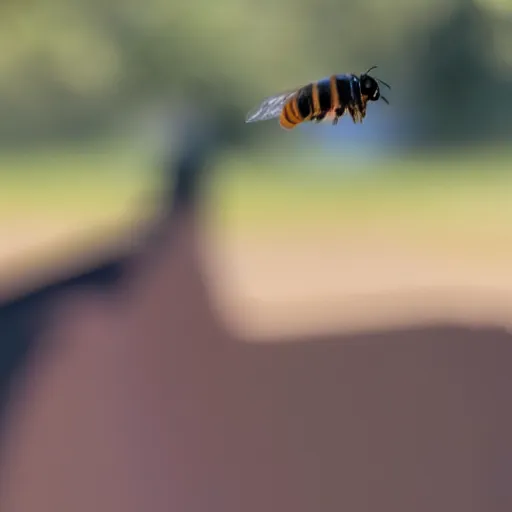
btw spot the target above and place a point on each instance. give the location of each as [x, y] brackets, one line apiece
[139, 394]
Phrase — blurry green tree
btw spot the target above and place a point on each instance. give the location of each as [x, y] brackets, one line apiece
[71, 68]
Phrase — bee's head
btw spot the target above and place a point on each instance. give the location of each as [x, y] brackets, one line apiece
[370, 86]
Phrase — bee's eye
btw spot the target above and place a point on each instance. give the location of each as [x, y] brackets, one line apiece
[368, 84]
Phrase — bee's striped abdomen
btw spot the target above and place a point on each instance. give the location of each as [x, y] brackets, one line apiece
[305, 101]
[344, 90]
[324, 96]
[298, 109]
[335, 96]
[289, 116]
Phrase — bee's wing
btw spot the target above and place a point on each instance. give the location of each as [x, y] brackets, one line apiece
[270, 107]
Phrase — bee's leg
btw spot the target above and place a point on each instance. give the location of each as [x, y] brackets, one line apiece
[320, 117]
[337, 114]
[353, 114]
[361, 113]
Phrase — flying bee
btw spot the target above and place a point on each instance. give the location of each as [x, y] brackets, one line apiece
[328, 98]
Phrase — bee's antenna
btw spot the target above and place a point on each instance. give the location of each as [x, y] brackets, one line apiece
[383, 83]
[387, 102]
[378, 79]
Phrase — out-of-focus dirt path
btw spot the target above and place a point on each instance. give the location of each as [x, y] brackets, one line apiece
[288, 283]
[141, 400]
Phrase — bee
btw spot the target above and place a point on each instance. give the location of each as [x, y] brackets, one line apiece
[328, 98]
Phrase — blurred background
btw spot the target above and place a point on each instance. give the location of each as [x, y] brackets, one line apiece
[92, 100]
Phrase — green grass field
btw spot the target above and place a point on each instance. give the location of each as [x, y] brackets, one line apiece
[470, 194]
[454, 209]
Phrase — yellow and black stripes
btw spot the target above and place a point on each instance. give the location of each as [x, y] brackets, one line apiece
[334, 95]
[324, 97]
[298, 109]
[315, 93]
[290, 115]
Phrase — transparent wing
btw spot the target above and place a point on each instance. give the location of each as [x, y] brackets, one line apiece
[270, 107]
